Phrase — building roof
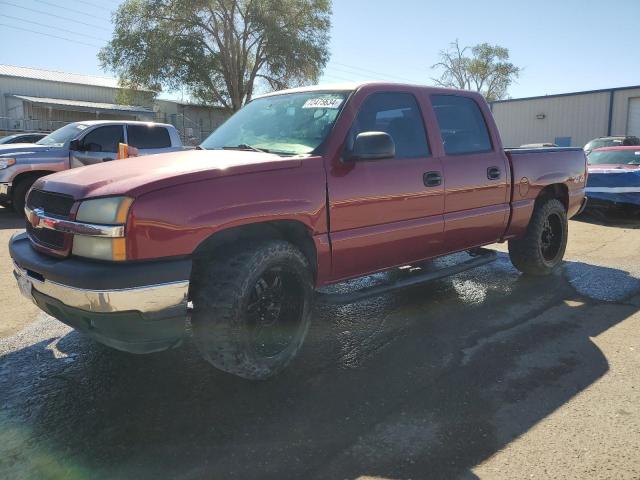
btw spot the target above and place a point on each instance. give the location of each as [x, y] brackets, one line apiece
[570, 94]
[53, 76]
[84, 106]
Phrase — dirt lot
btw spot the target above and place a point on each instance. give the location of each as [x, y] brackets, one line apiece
[487, 374]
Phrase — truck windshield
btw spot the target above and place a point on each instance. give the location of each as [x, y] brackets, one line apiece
[59, 137]
[620, 157]
[289, 124]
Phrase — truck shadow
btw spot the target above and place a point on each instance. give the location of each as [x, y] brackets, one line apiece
[424, 383]
[611, 217]
[10, 219]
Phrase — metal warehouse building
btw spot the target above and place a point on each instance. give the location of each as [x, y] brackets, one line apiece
[569, 119]
[42, 100]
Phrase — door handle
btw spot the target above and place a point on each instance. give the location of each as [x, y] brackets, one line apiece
[493, 173]
[107, 159]
[432, 179]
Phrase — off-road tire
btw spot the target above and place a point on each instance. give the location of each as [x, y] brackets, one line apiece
[19, 193]
[528, 253]
[221, 321]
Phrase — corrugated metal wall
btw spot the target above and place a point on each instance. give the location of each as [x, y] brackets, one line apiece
[580, 117]
[620, 118]
[40, 88]
[201, 118]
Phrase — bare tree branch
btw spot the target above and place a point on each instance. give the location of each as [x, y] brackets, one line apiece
[487, 70]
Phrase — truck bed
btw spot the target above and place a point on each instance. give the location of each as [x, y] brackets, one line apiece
[533, 169]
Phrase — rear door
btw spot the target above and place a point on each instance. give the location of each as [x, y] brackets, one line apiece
[148, 139]
[476, 173]
[98, 145]
[382, 213]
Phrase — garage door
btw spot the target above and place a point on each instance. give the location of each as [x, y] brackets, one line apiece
[633, 124]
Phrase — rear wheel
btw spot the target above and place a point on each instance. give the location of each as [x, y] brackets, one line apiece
[252, 308]
[545, 241]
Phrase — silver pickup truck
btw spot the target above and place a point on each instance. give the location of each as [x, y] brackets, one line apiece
[76, 145]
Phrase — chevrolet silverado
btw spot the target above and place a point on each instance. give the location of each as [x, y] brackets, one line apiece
[298, 190]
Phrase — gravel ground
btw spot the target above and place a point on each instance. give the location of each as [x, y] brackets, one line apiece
[486, 374]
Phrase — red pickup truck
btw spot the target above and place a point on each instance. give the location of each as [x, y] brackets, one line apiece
[300, 189]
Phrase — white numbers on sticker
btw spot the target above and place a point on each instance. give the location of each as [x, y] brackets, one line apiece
[326, 102]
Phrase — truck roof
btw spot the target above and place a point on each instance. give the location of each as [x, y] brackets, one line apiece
[128, 122]
[351, 86]
[616, 147]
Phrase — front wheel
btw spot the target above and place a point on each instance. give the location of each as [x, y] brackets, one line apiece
[545, 241]
[19, 193]
[251, 308]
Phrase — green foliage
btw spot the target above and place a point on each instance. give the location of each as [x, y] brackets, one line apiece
[222, 51]
[131, 95]
[487, 70]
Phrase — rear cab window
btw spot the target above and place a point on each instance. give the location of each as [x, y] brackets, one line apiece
[462, 126]
[148, 137]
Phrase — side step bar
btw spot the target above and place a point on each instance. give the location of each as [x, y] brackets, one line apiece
[481, 256]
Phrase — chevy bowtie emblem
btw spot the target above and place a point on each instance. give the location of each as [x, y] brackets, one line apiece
[34, 218]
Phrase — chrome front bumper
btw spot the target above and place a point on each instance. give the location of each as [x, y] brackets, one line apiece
[148, 300]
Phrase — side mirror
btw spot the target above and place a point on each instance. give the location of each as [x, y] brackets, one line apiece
[372, 146]
[74, 145]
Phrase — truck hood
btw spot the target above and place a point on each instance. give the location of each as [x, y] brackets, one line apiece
[604, 167]
[28, 150]
[136, 176]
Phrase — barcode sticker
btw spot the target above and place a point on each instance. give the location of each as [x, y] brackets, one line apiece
[323, 102]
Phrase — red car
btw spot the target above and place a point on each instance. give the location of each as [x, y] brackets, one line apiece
[299, 189]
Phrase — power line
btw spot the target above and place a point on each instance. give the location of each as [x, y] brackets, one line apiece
[337, 77]
[50, 35]
[50, 26]
[93, 25]
[371, 71]
[67, 9]
[95, 5]
[371, 76]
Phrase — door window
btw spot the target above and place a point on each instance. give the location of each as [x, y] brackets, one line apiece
[103, 139]
[148, 137]
[462, 125]
[398, 115]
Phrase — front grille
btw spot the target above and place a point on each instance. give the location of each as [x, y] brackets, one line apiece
[52, 203]
[55, 205]
[46, 237]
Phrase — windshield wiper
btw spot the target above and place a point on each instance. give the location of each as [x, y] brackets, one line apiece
[244, 146]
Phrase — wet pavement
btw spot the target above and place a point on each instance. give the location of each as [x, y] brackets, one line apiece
[485, 374]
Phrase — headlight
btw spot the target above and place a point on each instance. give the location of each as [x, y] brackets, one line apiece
[105, 211]
[102, 211]
[6, 162]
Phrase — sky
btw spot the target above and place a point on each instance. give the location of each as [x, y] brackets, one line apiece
[561, 45]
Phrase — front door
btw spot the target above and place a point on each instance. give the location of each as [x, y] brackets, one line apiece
[98, 145]
[385, 213]
[476, 172]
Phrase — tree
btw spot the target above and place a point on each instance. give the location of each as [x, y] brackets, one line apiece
[487, 70]
[130, 95]
[221, 51]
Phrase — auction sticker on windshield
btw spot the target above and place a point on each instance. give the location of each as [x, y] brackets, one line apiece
[323, 102]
